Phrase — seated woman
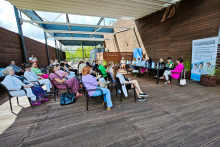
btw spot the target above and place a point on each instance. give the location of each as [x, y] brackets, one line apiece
[176, 72]
[37, 71]
[102, 69]
[13, 83]
[149, 61]
[123, 63]
[81, 65]
[90, 82]
[110, 70]
[138, 90]
[169, 67]
[143, 62]
[63, 74]
[72, 83]
[132, 64]
[31, 76]
[161, 64]
[65, 69]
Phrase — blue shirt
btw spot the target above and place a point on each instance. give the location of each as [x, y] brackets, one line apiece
[16, 69]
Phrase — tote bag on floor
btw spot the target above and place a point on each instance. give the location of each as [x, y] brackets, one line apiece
[67, 98]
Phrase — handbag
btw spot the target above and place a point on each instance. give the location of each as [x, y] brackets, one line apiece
[183, 80]
[67, 98]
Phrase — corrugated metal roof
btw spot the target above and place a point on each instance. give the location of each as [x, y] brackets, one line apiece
[122, 9]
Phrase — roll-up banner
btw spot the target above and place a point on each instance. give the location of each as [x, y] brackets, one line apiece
[204, 53]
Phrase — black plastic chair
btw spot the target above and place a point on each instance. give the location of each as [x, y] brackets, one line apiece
[85, 91]
[56, 90]
[128, 87]
[181, 75]
[10, 96]
[109, 78]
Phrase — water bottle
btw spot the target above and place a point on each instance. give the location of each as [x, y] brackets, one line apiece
[153, 64]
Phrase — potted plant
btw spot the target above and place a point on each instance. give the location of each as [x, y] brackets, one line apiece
[210, 77]
[135, 72]
[187, 66]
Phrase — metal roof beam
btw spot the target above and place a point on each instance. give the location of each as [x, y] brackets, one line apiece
[71, 24]
[67, 20]
[78, 38]
[78, 32]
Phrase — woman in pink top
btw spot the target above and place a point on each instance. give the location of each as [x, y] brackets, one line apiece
[72, 83]
[177, 71]
[62, 73]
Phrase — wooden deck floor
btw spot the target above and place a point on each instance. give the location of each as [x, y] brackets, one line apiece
[172, 116]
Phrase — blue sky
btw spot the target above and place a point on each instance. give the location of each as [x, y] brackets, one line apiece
[8, 21]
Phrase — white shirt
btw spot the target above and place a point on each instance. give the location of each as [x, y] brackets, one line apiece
[122, 61]
[33, 59]
[122, 81]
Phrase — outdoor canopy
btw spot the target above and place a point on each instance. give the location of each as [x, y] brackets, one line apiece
[121, 9]
[80, 34]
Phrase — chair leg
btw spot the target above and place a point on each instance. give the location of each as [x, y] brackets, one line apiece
[121, 96]
[111, 88]
[30, 102]
[55, 95]
[87, 103]
[17, 101]
[105, 106]
[135, 96]
[116, 92]
[10, 105]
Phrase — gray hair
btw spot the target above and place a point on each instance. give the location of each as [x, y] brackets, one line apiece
[6, 70]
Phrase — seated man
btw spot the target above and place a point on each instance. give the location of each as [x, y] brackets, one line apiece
[18, 71]
[71, 68]
[51, 62]
[88, 63]
[55, 62]
[37, 71]
[31, 76]
[67, 65]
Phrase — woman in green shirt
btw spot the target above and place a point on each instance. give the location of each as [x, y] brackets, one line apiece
[37, 71]
[102, 69]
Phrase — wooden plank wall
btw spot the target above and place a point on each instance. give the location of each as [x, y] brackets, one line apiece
[10, 49]
[195, 19]
[114, 56]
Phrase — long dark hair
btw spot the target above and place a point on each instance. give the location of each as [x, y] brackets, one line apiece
[51, 69]
[115, 70]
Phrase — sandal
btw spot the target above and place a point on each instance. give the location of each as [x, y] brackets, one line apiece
[44, 100]
[161, 78]
[36, 104]
[78, 95]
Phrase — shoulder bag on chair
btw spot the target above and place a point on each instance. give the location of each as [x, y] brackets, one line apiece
[183, 79]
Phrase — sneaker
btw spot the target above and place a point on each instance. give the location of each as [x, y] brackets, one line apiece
[141, 99]
[143, 94]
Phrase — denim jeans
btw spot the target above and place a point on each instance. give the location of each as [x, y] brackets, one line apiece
[107, 95]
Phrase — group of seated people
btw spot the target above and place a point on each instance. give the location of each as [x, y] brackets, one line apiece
[29, 77]
[164, 75]
[91, 81]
